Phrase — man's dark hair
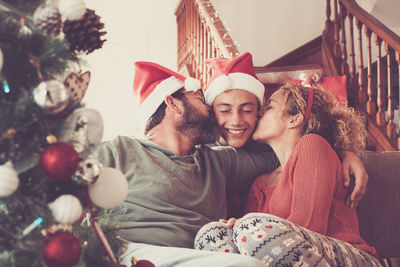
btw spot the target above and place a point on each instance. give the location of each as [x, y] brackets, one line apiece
[157, 116]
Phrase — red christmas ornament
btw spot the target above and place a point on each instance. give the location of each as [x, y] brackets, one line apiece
[61, 249]
[59, 161]
[144, 263]
[141, 263]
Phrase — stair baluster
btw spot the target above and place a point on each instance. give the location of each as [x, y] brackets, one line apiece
[336, 49]
[370, 103]
[352, 54]
[344, 65]
[380, 116]
[398, 105]
[328, 14]
[362, 96]
[390, 129]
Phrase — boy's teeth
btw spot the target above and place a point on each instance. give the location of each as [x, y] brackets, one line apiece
[236, 131]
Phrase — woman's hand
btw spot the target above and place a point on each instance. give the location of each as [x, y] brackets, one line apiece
[352, 165]
[230, 223]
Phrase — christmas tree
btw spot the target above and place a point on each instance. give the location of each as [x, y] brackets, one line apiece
[54, 198]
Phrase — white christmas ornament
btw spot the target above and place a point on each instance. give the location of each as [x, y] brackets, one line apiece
[83, 129]
[48, 18]
[110, 189]
[51, 95]
[66, 209]
[8, 179]
[1, 59]
[72, 9]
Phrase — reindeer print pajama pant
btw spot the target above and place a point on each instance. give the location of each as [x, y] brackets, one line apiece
[278, 242]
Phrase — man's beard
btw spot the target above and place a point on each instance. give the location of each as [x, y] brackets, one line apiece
[201, 129]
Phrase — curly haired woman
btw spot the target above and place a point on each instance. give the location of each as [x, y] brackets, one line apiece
[297, 216]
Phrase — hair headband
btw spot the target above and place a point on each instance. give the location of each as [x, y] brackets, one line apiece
[309, 104]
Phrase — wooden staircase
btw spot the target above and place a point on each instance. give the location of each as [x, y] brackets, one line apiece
[351, 44]
[350, 39]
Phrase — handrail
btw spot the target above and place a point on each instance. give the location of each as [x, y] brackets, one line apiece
[391, 38]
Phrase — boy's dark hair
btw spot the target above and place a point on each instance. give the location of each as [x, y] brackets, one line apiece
[157, 116]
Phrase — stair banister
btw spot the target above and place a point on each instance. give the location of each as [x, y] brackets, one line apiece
[376, 97]
[201, 36]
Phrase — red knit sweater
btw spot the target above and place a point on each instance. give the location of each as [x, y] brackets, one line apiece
[310, 193]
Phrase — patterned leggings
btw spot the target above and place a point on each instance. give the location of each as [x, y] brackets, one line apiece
[278, 242]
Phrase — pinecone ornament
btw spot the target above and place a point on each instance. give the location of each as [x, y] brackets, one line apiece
[85, 34]
[48, 18]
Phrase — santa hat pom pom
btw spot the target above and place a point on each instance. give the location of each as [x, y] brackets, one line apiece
[192, 84]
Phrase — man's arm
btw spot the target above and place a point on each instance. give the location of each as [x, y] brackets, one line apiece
[352, 166]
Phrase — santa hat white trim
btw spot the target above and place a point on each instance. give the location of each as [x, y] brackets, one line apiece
[236, 80]
[163, 89]
[192, 84]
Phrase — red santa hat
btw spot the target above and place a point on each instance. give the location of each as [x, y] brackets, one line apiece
[236, 73]
[153, 82]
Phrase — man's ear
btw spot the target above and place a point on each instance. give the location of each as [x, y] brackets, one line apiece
[295, 120]
[174, 104]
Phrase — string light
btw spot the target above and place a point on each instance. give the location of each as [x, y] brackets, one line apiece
[24, 30]
[215, 18]
[32, 226]
[6, 88]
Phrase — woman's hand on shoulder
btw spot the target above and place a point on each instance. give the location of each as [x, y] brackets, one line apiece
[353, 166]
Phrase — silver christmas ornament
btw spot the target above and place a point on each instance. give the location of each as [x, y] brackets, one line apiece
[9, 180]
[66, 209]
[48, 18]
[79, 138]
[52, 96]
[72, 9]
[88, 171]
[83, 129]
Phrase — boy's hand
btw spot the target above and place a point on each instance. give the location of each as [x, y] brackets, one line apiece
[230, 223]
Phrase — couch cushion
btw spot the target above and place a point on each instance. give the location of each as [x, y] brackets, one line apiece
[379, 210]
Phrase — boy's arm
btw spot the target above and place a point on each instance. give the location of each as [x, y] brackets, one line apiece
[243, 165]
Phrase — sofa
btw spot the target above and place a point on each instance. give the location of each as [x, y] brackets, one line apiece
[379, 210]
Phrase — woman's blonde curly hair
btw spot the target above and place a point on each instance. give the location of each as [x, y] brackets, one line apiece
[342, 127]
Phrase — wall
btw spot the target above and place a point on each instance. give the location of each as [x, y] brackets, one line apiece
[387, 11]
[269, 28]
[136, 30]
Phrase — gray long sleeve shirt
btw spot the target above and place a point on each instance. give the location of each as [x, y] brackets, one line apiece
[170, 197]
